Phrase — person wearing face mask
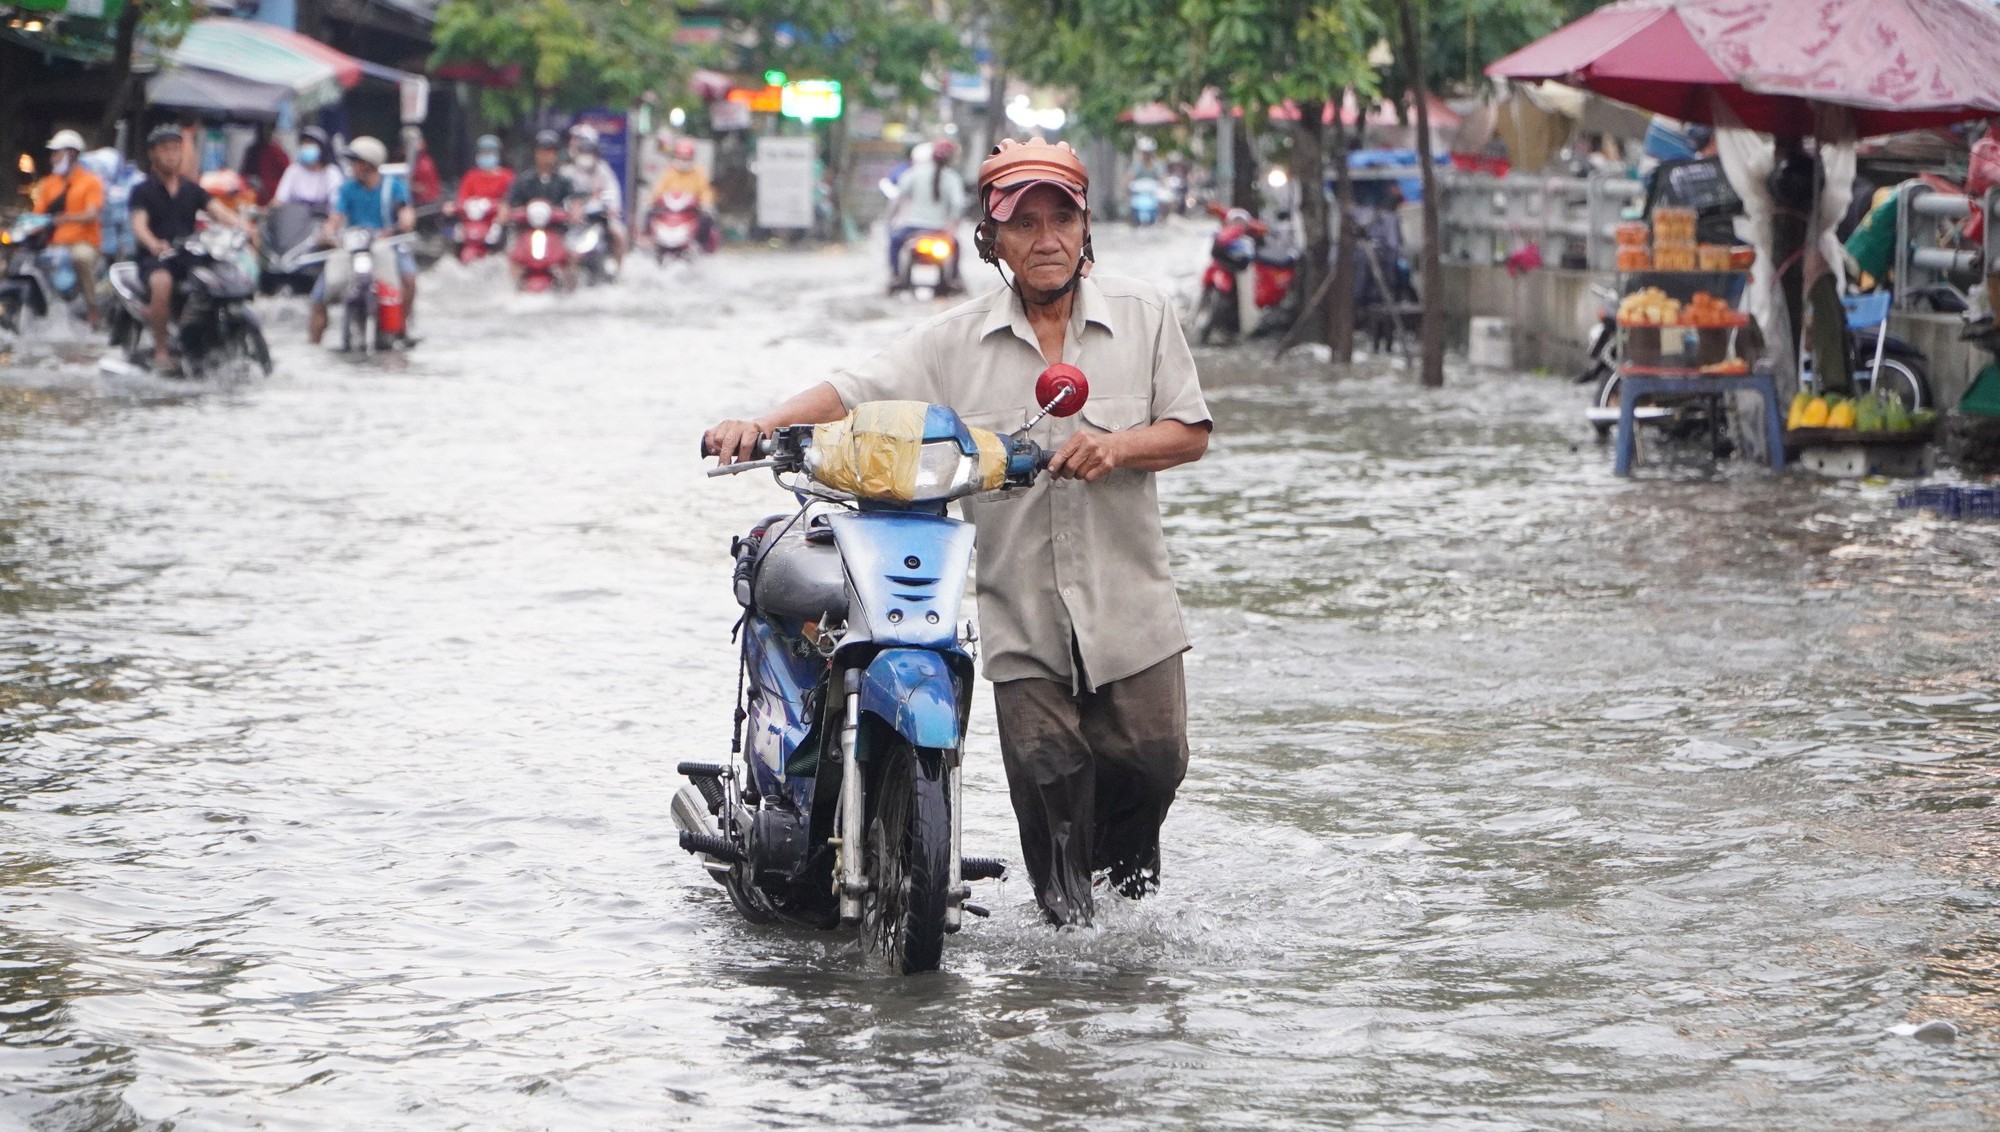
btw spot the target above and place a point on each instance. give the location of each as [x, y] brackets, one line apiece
[488, 177]
[312, 179]
[596, 181]
[684, 175]
[74, 198]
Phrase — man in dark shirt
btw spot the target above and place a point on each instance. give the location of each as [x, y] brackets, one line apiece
[540, 182]
[164, 209]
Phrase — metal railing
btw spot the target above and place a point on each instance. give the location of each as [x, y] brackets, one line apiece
[1483, 219]
[1922, 218]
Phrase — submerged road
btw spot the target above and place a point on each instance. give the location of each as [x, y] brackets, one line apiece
[340, 712]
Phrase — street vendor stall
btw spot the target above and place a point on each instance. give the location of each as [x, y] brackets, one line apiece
[1771, 75]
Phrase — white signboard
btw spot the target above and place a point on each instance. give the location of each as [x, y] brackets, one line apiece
[725, 116]
[415, 92]
[785, 182]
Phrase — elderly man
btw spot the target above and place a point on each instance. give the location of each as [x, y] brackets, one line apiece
[1082, 630]
[73, 198]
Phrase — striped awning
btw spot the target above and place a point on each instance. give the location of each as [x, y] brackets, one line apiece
[270, 55]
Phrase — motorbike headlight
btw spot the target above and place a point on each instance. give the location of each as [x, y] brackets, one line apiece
[477, 208]
[356, 239]
[539, 214]
[942, 470]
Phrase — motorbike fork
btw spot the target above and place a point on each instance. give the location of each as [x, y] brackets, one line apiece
[956, 890]
[848, 876]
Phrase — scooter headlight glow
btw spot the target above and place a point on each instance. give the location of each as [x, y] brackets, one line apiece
[540, 213]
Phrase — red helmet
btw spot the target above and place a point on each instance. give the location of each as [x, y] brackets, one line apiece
[683, 149]
[943, 150]
[1017, 166]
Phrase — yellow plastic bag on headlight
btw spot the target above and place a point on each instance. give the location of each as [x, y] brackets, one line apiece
[878, 452]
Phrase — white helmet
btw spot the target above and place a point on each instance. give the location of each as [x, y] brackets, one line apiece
[66, 139]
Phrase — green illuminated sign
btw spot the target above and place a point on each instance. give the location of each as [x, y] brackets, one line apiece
[811, 100]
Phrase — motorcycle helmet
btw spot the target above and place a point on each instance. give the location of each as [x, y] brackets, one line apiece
[163, 133]
[944, 151]
[548, 139]
[368, 151]
[583, 138]
[66, 139]
[1015, 167]
[684, 149]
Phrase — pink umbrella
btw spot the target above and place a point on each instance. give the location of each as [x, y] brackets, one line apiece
[1895, 64]
[1150, 114]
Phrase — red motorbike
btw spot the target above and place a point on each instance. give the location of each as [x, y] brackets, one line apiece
[478, 231]
[1241, 244]
[538, 248]
[675, 226]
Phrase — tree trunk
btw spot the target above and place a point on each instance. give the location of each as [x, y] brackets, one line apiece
[1309, 180]
[996, 110]
[1243, 190]
[1430, 332]
[121, 74]
[1340, 303]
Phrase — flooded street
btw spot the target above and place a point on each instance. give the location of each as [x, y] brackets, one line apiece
[341, 711]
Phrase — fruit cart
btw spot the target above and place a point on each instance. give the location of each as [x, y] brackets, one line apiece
[1679, 327]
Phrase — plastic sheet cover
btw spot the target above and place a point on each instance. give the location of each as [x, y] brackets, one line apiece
[876, 451]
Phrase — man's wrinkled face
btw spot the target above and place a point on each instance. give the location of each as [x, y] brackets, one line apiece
[1043, 241]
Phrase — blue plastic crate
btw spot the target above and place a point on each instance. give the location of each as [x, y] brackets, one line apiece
[1953, 501]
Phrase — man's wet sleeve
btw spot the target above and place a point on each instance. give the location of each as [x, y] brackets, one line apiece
[896, 374]
[1176, 387]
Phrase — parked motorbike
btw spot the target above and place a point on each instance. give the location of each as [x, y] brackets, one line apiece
[845, 806]
[476, 232]
[1144, 201]
[538, 247]
[928, 266]
[211, 310]
[291, 232]
[674, 224]
[591, 246]
[1238, 246]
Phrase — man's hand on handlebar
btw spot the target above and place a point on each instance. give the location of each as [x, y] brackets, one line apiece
[1086, 456]
[732, 441]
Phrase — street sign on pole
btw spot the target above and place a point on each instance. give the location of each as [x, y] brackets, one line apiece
[785, 182]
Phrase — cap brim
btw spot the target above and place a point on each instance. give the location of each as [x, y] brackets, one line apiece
[1005, 201]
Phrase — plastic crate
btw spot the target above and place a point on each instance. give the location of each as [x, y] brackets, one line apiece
[1953, 501]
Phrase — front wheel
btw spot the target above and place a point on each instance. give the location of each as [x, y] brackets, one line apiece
[908, 862]
[1204, 315]
[1903, 380]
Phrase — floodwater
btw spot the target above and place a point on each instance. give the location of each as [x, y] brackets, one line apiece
[340, 711]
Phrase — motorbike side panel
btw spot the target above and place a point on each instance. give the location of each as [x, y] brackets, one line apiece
[913, 691]
[906, 573]
[778, 720]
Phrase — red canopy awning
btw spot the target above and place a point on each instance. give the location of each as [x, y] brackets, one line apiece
[1895, 64]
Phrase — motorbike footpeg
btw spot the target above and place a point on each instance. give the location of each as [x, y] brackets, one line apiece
[707, 778]
[712, 845]
[982, 868]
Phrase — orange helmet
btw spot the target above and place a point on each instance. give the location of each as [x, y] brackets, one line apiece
[1016, 166]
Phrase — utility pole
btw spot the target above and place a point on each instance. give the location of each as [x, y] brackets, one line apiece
[1430, 330]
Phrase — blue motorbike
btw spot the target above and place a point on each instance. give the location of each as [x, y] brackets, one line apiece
[1144, 201]
[856, 678]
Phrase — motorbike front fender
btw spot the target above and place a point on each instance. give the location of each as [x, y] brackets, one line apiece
[914, 692]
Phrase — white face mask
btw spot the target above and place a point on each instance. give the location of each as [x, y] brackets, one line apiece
[61, 165]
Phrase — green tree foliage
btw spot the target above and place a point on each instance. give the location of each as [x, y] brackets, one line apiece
[1462, 36]
[572, 53]
[880, 51]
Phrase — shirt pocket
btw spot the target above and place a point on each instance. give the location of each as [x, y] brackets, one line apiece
[1116, 413]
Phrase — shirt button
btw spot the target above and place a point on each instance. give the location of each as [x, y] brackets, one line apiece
[1069, 591]
[1062, 538]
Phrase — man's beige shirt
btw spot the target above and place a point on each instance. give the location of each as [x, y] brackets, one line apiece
[1064, 561]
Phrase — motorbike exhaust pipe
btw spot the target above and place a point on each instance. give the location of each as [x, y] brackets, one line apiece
[699, 835]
